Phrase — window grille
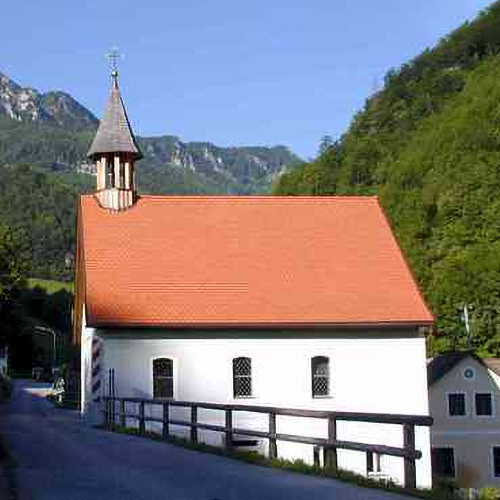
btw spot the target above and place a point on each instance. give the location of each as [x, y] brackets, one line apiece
[320, 371]
[456, 405]
[163, 378]
[242, 377]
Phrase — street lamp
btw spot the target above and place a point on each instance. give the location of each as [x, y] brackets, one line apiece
[43, 329]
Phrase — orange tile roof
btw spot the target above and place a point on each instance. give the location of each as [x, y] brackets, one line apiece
[245, 261]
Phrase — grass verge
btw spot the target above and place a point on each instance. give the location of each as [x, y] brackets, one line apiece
[51, 286]
[441, 492]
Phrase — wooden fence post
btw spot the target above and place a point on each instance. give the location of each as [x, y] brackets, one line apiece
[105, 413]
[194, 420]
[142, 422]
[330, 453]
[409, 462]
[273, 447]
[165, 430]
[229, 430]
[113, 410]
[316, 455]
[123, 421]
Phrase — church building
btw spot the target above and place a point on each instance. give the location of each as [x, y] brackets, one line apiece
[298, 302]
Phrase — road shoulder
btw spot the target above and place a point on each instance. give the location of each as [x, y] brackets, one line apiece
[8, 488]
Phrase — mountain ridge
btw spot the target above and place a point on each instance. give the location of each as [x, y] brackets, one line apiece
[55, 107]
[54, 131]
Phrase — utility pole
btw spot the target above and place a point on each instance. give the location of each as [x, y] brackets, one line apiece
[466, 319]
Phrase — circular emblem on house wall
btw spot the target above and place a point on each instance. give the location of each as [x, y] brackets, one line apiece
[469, 373]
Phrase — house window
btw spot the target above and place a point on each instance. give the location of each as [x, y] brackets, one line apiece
[320, 374]
[443, 462]
[496, 461]
[373, 463]
[163, 378]
[242, 377]
[456, 405]
[469, 373]
[484, 407]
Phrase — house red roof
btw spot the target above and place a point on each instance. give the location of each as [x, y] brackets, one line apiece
[245, 261]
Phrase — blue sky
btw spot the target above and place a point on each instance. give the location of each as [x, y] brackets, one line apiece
[231, 72]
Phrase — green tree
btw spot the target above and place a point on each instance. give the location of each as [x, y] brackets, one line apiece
[12, 279]
[428, 144]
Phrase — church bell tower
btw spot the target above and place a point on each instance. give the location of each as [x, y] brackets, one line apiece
[115, 152]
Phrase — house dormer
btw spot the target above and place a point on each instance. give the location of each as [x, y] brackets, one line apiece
[115, 152]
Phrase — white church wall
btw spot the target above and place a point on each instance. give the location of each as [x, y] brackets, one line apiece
[379, 375]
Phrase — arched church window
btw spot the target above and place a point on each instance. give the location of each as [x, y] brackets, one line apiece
[163, 378]
[320, 374]
[242, 377]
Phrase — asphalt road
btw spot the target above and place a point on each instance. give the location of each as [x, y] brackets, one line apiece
[61, 458]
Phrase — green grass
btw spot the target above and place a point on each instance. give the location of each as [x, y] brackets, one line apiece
[442, 492]
[51, 286]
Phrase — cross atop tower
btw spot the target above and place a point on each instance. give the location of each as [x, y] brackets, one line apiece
[114, 57]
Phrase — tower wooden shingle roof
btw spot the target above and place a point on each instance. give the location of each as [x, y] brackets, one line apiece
[114, 134]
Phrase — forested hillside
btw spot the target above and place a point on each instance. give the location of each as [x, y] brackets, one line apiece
[429, 145]
[40, 208]
[44, 139]
[170, 166]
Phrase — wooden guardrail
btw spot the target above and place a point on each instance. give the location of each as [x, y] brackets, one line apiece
[330, 445]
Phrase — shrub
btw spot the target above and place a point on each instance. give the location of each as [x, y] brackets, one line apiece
[489, 494]
[5, 388]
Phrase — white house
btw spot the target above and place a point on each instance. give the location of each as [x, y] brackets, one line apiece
[301, 302]
[464, 398]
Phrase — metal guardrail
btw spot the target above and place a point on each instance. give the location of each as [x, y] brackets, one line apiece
[329, 445]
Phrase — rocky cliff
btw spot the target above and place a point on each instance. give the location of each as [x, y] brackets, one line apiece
[55, 108]
[52, 130]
